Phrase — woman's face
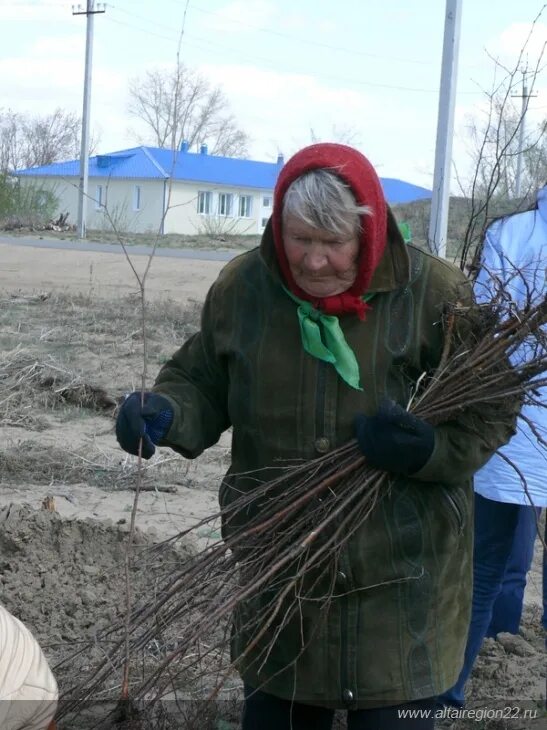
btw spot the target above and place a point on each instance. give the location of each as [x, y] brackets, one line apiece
[322, 263]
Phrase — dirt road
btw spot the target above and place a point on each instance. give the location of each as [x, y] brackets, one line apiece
[103, 275]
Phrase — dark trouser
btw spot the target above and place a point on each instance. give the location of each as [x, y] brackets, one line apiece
[266, 712]
[507, 609]
[497, 527]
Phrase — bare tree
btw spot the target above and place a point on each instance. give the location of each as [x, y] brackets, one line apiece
[495, 150]
[30, 141]
[9, 141]
[501, 132]
[51, 138]
[181, 105]
[343, 134]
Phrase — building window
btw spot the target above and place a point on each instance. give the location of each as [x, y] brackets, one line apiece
[267, 201]
[99, 197]
[137, 197]
[264, 222]
[245, 206]
[205, 202]
[225, 204]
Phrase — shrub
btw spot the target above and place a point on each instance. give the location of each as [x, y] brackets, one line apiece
[25, 202]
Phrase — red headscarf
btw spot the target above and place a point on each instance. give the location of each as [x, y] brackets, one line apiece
[357, 172]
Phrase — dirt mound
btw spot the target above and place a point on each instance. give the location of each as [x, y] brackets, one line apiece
[510, 672]
[65, 578]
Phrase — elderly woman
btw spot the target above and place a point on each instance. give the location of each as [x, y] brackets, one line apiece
[317, 337]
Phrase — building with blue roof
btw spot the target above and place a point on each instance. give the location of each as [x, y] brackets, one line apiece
[151, 190]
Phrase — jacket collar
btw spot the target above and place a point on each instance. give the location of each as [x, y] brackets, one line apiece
[393, 271]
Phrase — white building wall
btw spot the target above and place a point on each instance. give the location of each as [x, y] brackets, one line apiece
[65, 193]
[127, 210]
[118, 197]
[183, 215]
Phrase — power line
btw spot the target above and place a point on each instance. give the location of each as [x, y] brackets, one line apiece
[281, 34]
[358, 82]
[203, 43]
[311, 42]
[101, 8]
[147, 20]
[172, 38]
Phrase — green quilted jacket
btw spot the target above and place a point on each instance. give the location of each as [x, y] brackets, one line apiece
[397, 627]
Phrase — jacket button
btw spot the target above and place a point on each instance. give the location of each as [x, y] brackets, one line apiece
[322, 445]
[347, 695]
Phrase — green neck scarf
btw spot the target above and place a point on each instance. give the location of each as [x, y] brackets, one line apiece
[322, 337]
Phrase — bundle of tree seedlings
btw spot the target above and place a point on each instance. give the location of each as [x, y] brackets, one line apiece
[295, 526]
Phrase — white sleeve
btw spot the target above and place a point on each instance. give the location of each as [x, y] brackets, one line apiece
[514, 257]
[493, 266]
[28, 690]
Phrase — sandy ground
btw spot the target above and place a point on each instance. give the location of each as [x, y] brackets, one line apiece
[102, 274]
[29, 271]
[88, 511]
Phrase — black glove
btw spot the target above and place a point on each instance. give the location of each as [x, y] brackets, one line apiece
[150, 422]
[394, 440]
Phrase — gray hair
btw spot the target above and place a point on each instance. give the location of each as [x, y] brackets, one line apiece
[322, 199]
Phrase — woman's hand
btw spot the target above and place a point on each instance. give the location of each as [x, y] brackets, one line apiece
[394, 440]
[151, 422]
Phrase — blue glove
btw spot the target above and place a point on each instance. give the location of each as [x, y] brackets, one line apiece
[150, 422]
[394, 440]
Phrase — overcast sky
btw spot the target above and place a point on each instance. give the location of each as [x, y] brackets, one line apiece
[287, 67]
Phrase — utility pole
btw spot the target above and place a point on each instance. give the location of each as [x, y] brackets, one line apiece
[438, 222]
[90, 13]
[522, 124]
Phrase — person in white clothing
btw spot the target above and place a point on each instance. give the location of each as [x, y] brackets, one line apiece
[28, 690]
[507, 508]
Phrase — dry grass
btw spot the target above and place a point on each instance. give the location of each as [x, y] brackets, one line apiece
[64, 358]
[61, 352]
[171, 240]
[28, 384]
[29, 462]
[80, 318]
